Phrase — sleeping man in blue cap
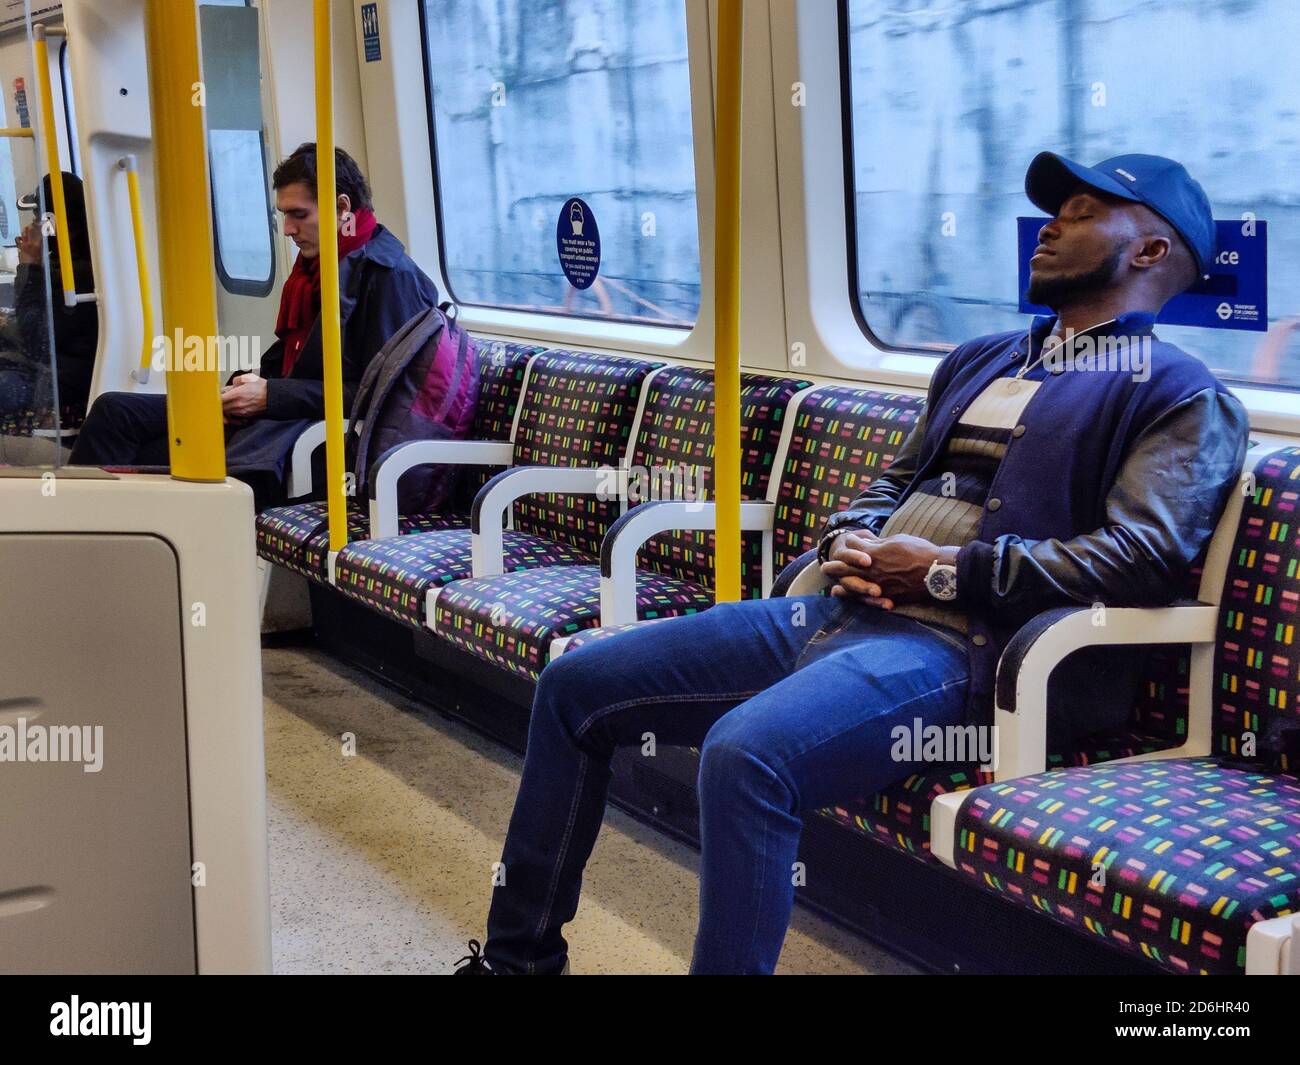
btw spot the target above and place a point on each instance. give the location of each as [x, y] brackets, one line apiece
[1033, 481]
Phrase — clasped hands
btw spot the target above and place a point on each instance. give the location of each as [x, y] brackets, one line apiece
[243, 399]
[882, 571]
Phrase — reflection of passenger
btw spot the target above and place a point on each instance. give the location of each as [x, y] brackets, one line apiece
[76, 329]
[381, 289]
[1021, 490]
[1267, 363]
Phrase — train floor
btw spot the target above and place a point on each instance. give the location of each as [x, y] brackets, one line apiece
[382, 845]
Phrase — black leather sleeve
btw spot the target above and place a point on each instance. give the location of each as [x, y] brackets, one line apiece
[872, 508]
[1160, 514]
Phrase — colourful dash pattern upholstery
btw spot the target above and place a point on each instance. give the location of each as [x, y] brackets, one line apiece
[394, 575]
[1176, 859]
[676, 435]
[1173, 859]
[899, 815]
[27, 422]
[1257, 660]
[297, 536]
[512, 619]
[577, 411]
[842, 439]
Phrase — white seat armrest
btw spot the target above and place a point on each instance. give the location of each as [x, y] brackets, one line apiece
[383, 502]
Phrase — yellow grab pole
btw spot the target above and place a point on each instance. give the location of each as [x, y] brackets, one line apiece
[17, 131]
[50, 135]
[128, 163]
[726, 358]
[186, 269]
[331, 341]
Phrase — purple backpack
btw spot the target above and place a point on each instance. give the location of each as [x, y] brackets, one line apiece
[422, 385]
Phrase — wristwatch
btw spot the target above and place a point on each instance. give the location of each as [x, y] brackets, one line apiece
[941, 582]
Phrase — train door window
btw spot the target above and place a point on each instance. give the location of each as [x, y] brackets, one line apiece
[241, 207]
[964, 96]
[534, 103]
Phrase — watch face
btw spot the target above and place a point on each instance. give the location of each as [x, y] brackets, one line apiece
[942, 583]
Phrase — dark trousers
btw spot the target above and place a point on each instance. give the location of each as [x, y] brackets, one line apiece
[124, 429]
[130, 430]
[796, 703]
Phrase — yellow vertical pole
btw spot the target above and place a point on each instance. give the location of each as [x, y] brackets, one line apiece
[331, 341]
[188, 274]
[726, 359]
[128, 164]
[50, 137]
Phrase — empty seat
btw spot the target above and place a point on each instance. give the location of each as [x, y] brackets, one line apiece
[577, 411]
[1177, 859]
[512, 619]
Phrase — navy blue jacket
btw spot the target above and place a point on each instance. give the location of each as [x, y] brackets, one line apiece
[1109, 491]
[380, 290]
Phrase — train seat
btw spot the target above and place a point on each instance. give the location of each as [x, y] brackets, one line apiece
[297, 536]
[1191, 861]
[577, 413]
[38, 422]
[840, 439]
[512, 619]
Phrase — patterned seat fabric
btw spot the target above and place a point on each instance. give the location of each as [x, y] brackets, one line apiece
[1174, 859]
[585, 636]
[1193, 851]
[899, 815]
[297, 536]
[512, 620]
[577, 411]
[27, 422]
[394, 576]
[842, 439]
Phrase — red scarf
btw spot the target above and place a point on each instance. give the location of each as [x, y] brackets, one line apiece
[300, 298]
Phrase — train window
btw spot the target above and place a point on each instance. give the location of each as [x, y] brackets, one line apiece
[533, 103]
[965, 95]
[241, 207]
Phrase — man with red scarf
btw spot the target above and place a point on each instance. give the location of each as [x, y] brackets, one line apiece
[380, 290]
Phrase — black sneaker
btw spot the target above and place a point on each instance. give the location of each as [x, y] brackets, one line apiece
[473, 964]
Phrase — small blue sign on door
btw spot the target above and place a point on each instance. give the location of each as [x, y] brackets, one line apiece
[1234, 296]
[370, 32]
[577, 242]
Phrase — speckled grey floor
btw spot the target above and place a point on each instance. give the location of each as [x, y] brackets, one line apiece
[381, 861]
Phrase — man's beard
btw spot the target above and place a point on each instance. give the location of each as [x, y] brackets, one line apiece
[1054, 292]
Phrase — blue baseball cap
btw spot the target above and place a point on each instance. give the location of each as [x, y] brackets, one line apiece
[1151, 180]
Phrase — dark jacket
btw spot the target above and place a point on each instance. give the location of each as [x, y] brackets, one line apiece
[76, 329]
[380, 290]
[1109, 492]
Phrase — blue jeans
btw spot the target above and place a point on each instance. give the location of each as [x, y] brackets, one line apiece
[792, 701]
